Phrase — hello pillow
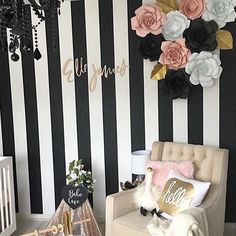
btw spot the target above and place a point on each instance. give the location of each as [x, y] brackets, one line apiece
[162, 170]
[180, 193]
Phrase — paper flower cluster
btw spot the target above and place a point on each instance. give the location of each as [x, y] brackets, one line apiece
[182, 36]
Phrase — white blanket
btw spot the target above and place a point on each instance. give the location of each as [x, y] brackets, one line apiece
[191, 222]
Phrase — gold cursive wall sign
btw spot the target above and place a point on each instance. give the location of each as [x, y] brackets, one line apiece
[80, 68]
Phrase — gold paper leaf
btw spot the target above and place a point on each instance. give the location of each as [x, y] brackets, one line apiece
[159, 72]
[168, 5]
[224, 39]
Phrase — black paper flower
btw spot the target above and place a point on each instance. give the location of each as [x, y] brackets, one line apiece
[176, 84]
[201, 35]
[150, 47]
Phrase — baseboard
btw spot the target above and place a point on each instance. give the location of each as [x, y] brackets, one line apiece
[230, 226]
[47, 217]
[39, 217]
[100, 219]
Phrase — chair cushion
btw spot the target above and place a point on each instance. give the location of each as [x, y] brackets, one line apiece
[133, 224]
[162, 170]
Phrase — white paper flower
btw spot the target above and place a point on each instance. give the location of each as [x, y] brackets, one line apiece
[221, 11]
[175, 25]
[204, 68]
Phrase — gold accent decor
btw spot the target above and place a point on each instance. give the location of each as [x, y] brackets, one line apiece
[168, 5]
[176, 196]
[159, 72]
[224, 39]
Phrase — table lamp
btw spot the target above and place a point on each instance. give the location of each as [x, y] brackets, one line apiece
[138, 164]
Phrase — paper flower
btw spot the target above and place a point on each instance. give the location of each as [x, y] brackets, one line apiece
[150, 47]
[221, 11]
[175, 54]
[148, 19]
[193, 9]
[204, 68]
[201, 36]
[175, 25]
[176, 84]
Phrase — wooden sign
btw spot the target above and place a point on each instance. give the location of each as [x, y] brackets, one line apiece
[80, 68]
[74, 196]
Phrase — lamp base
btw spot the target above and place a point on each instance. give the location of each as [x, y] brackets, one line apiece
[138, 178]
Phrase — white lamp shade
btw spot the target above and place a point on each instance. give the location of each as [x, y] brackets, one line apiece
[138, 161]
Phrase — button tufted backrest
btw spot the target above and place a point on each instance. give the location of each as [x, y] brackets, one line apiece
[206, 160]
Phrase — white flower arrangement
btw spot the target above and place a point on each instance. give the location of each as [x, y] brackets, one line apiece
[221, 11]
[203, 68]
[77, 175]
[176, 23]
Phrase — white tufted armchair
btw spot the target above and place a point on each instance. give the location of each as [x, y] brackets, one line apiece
[122, 216]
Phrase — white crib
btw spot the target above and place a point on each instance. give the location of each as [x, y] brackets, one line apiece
[7, 197]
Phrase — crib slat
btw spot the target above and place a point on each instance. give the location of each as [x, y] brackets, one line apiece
[9, 194]
[5, 196]
[1, 202]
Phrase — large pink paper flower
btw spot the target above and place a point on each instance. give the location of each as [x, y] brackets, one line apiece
[193, 9]
[148, 19]
[175, 54]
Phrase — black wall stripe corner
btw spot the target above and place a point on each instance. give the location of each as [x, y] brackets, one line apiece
[81, 85]
[32, 130]
[136, 84]
[228, 120]
[55, 87]
[8, 139]
[109, 96]
[195, 115]
[165, 114]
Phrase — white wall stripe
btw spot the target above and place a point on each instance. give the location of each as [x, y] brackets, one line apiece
[122, 90]
[1, 147]
[44, 122]
[95, 102]
[150, 101]
[150, 105]
[21, 154]
[68, 88]
[180, 120]
[211, 112]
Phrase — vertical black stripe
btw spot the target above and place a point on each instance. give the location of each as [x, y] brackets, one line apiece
[228, 120]
[8, 140]
[109, 96]
[195, 115]
[165, 115]
[31, 115]
[81, 84]
[136, 83]
[55, 87]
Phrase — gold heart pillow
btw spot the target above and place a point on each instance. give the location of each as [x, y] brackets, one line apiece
[180, 193]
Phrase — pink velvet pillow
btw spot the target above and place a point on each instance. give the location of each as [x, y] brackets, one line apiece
[162, 169]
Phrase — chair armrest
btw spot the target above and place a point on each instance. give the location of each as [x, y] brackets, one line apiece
[118, 204]
[121, 203]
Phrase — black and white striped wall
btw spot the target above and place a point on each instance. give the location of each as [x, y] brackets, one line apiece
[47, 121]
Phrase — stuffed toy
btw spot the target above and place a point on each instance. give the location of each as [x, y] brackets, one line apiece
[147, 195]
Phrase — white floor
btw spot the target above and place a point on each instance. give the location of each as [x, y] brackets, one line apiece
[28, 226]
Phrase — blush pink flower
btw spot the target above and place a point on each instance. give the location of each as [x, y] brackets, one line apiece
[175, 54]
[148, 19]
[193, 9]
